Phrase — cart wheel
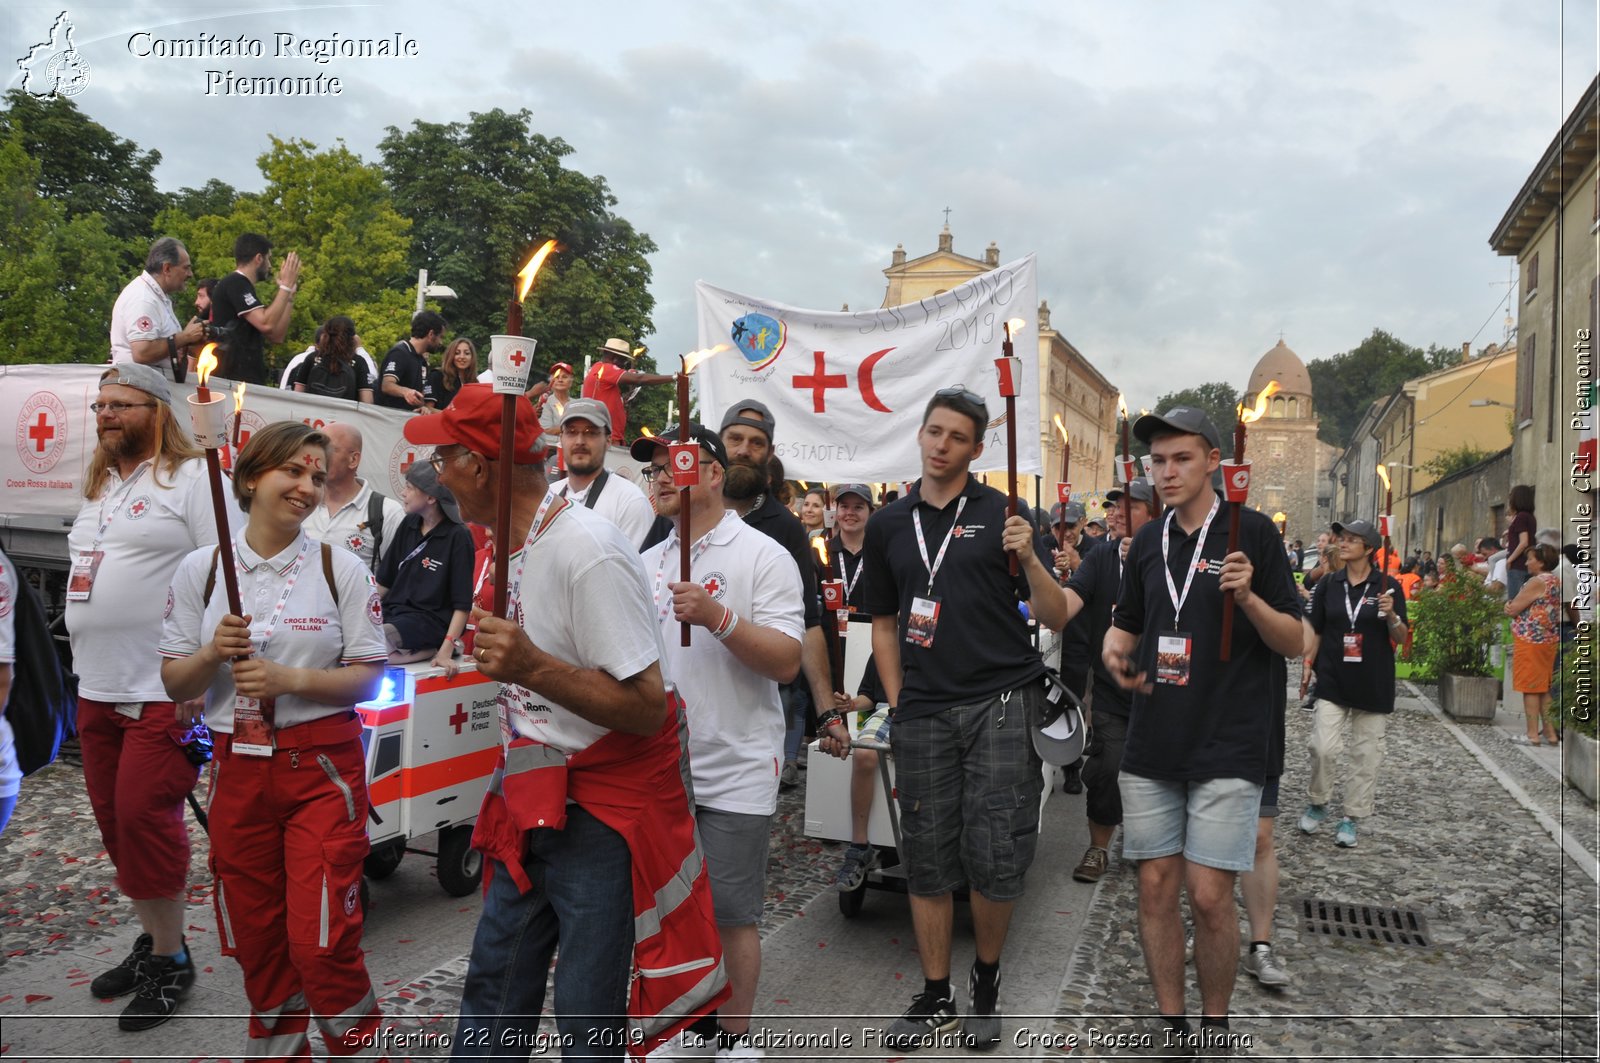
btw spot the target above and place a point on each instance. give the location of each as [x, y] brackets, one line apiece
[460, 865]
[850, 903]
[383, 861]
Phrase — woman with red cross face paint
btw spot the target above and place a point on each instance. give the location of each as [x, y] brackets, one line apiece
[288, 793]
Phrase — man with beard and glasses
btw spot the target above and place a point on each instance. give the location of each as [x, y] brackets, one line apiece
[585, 426]
[246, 323]
[147, 506]
[747, 433]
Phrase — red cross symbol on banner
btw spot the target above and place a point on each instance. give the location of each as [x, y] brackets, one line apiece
[406, 462]
[516, 358]
[820, 381]
[458, 718]
[41, 432]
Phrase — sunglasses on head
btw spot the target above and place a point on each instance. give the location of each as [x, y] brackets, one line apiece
[964, 393]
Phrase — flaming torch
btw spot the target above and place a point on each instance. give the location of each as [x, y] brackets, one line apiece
[1064, 487]
[1126, 464]
[238, 413]
[511, 360]
[1236, 487]
[1383, 521]
[684, 456]
[1009, 368]
[833, 602]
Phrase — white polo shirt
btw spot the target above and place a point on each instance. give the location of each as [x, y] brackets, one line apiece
[294, 363]
[582, 599]
[735, 716]
[312, 631]
[155, 521]
[621, 502]
[142, 312]
[10, 771]
[348, 527]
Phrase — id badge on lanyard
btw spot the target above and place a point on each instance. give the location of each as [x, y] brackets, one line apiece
[1352, 638]
[85, 566]
[252, 717]
[1175, 649]
[923, 618]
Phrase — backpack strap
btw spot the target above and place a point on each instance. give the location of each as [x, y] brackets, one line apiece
[327, 573]
[375, 526]
[594, 490]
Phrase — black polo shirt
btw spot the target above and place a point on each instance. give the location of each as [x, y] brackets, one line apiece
[243, 350]
[1218, 726]
[981, 647]
[1097, 581]
[428, 579]
[1369, 685]
[409, 369]
[771, 519]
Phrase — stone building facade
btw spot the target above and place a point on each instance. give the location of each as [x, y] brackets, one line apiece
[1289, 464]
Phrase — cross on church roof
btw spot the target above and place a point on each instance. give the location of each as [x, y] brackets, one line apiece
[947, 217]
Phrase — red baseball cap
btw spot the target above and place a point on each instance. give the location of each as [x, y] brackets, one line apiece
[560, 365]
[473, 420]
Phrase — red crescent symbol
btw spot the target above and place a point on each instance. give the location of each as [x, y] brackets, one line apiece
[869, 393]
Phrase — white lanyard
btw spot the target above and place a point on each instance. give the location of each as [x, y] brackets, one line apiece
[122, 498]
[849, 580]
[290, 579]
[922, 545]
[1199, 550]
[1360, 601]
[536, 529]
[694, 555]
[423, 545]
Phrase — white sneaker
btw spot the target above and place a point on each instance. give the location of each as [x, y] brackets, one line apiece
[741, 1050]
[686, 1044]
[1264, 965]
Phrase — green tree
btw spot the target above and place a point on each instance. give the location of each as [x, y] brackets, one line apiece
[1450, 462]
[213, 197]
[485, 193]
[59, 274]
[1346, 384]
[337, 212]
[1218, 399]
[87, 168]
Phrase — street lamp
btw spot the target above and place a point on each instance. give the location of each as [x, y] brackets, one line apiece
[431, 291]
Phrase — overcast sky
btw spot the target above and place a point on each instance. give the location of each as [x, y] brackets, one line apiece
[1195, 177]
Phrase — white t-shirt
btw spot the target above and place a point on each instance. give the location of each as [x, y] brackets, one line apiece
[294, 363]
[142, 312]
[10, 771]
[621, 502]
[586, 603]
[735, 716]
[153, 524]
[348, 527]
[312, 631]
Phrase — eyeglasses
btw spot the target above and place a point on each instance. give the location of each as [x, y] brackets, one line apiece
[119, 408]
[582, 433]
[437, 459]
[964, 393]
[652, 472]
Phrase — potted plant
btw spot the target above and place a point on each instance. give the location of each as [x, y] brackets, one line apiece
[1454, 624]
[1573, 707]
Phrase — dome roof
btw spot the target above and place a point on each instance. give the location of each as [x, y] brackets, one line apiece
[1284, 366]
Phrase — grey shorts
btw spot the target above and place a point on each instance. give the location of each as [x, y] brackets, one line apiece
[735, 846]
[968, 782]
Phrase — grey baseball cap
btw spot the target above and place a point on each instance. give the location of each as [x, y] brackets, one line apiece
[1067, 513]
[592, 410]
[424, 478]
[1184, 419]
[861, 491]
[145, 378]
[1138, 490]
[752, 413]
[1363, 528]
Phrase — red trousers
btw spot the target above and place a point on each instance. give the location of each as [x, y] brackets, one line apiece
[137, 777]
[288, 837]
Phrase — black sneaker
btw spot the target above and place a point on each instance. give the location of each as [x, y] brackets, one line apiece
[923, 1022]
[1072, 782]
[982, 1027]
[125, 977]
[166, 982]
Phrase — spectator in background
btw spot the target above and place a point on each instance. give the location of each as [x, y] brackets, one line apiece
[10, 771]
[1519, 537]
[144, 326]
[425, 577]
[333, 370]
[286, 380]
[352, 514]
[551, 407]
[404, 380]
[246, 323]
[1536, 613]
[1095, 529]
[585, 427]
[202, 298]
[1409, 580]
[813, 512]
[613, 372]
[459, 367]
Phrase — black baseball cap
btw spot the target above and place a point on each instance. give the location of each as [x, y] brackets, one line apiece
[1067, 513]
[1185, 419]
[752, 413]
[1139, 490]
[861, 491]
[1364, 529]
[644, 448]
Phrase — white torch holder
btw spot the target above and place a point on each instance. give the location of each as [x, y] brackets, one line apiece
[211, 419]
[511, 363]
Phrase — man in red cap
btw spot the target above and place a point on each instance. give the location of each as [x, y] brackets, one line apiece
[587, 820]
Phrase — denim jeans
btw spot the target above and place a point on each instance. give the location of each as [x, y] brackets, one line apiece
[582, 896]
[796, 703]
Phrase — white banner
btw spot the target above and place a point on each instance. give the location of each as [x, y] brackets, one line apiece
[54, 433]
[847, 389]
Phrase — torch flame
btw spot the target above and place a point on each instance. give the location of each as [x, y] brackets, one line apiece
[694, 359]
[238, 398]
[822, 550]
[645, 431]
[1122, 407]
[1060, 427]
[1014, 326]
[1260, 410]
[531, 268]
[206, 364]
[1383, 474]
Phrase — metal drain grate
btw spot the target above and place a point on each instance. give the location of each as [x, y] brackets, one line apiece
[1339, 921]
